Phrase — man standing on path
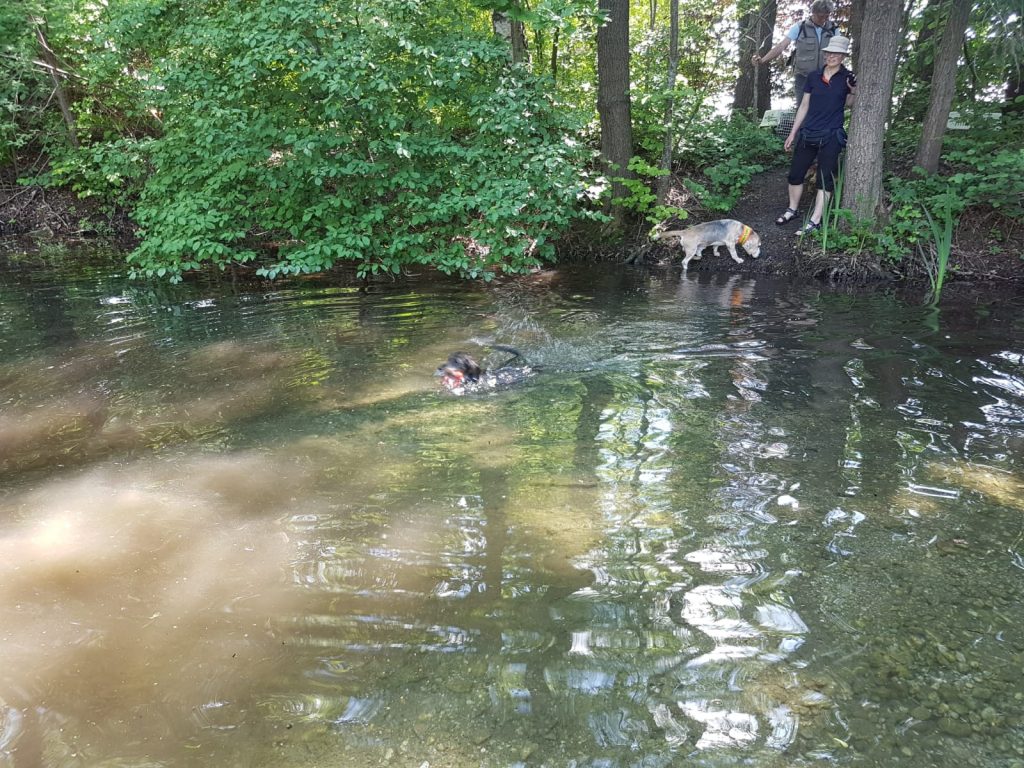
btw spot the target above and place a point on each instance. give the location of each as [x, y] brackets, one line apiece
[810, 36]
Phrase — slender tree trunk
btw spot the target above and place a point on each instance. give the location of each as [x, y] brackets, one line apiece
[613, 101]
[882, 31]
[1013, 103]
[554, 55]
[943, 86]
[520, 53]
[916, 57]
[753, 86]
[670, 102]
[972, 74]
[50, 59]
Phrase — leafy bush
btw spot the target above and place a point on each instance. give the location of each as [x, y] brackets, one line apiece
[106, 171]
[982, 169]
[747, 150]
[383, 134]
[641, 198]
[19, 81]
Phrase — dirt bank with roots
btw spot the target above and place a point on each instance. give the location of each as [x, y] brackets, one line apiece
[31, 217]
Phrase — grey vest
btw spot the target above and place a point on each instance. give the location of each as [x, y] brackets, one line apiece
[807, 50]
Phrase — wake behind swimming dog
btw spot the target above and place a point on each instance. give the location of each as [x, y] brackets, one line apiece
[727, 232]
[461, 373]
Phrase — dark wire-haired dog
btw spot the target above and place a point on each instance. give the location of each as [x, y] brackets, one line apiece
[460, 373]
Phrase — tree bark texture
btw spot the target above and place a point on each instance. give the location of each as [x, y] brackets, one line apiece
[513, 32]
[752, 96]
[882, 31]
[670, 85]
[856, 26]
[947, 54]
[613, 101]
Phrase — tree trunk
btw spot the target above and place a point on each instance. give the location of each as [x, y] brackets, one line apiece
[917, 57]
[753, 86]
[1013, 96]
[670, 86]
[856, 27]
[512, 32]
[554, 56]
[50, 59]
[882, 31]
[613, 105]
[943, 86]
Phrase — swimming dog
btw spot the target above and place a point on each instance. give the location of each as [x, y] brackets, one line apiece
[460, 373]
[727, 232]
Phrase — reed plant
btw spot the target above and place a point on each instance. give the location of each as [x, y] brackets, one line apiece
[935, 253]
[831, 212]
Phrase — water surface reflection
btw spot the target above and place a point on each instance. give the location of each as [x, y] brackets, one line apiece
[728, 522]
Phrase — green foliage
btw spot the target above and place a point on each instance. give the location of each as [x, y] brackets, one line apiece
[704, 68]
[726, 154]
[982, 164]
[21, 82]
[105, 171]
[937, 256]
[382, 134]
[982, 170]
[388, 133]
[641, 199]
[831, 217]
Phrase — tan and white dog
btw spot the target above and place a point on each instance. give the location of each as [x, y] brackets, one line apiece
[727, 232]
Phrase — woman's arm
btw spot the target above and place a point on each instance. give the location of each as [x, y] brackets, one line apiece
[801, 113]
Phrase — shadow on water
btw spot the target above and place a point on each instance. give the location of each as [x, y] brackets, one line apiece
[729, 521]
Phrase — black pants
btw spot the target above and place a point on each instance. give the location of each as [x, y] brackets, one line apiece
[828, 162]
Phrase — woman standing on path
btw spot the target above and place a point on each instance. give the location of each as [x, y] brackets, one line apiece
[818, 132]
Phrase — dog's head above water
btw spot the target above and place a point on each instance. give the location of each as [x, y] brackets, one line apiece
[461, 374]
[458, 370]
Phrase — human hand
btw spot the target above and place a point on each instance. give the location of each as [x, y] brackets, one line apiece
[789, 142]
[756, 59]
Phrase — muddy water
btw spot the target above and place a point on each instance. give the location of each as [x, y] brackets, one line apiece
[724, 522]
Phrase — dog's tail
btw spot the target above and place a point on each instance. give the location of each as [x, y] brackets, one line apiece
[516, 355]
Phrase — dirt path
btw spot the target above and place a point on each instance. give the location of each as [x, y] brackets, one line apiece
[781, 252]
[984, 250]
[762, 202]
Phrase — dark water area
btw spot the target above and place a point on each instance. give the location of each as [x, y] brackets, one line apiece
[724, 522]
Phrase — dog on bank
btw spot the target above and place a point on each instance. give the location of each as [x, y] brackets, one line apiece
[727, 232]
[460, 373]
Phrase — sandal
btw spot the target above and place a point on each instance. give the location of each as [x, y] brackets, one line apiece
[810, 226]
[787, 217]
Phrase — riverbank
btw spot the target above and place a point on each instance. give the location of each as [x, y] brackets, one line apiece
[32, 217]
[981, 252]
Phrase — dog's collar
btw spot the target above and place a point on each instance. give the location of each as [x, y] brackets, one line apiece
[744, 235]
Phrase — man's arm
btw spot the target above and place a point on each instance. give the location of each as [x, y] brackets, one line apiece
[779, 48]
[774, 53]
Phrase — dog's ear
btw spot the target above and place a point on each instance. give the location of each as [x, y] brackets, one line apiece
[465, 364]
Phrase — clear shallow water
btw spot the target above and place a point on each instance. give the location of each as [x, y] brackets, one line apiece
[728, 522]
